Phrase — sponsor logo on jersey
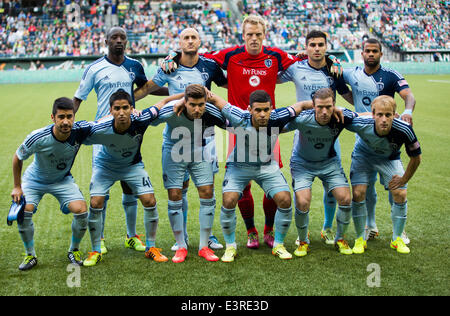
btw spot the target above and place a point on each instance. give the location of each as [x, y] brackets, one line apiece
[254, 81]
[254, 72]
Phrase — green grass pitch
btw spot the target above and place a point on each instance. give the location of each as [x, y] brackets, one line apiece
[254, 272]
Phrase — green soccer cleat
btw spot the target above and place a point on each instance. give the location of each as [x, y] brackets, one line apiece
[93, 258]
[103, 247]
[75, 257]
[400, 246]
[28, 263]
[328, 236]
[302, 249]
[360, 246]
[229, 255]
[343, 247]
[281, 252]
[134, 243]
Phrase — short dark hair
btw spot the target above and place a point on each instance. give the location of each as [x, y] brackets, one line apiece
[372, 41]
[260, 96]
[315, 34]
[324, 93]
[195, 91]
[62, 103]
[120, 95]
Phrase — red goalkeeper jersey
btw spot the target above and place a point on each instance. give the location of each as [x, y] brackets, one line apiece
[247, 73]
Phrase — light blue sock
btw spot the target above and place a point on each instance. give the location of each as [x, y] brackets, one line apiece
[79, 227]
[283, 219]
[130, 206]
[343, 218]
[228, 223]
[95, 227]
[398, 216]
[185, 209]
[371, 202]
[302, 222]
[359, 217]
[206, 220]
[329, 203]
[26, 232]
[176, 221]
[151, 220]
[105, 205]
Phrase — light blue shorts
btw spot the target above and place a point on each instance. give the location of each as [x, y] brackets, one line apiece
[363, 168]
[135, 177]
[330, 172]
[269, 178]
[65, 191]
[174, 173]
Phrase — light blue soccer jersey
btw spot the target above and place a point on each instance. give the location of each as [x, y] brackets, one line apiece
[255, 147]
[308, 80]
[388, 147]
[365, 88]
[181, 130]
[120, 150]
[106, 78]
[53, 159]
[204, 72]
[316, 142]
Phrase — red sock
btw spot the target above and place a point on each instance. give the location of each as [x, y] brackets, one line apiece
[270, 208]
[247, 208]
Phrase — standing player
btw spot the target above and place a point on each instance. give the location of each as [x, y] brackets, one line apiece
[192, 69]
[119, 159]
[377, 150]
[184, 150]
[54, 148]
[367, 83]
[310, 75]
[316, 156]
[107, 75]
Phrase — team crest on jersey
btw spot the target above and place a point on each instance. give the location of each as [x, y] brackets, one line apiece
[132, 75]
[393, 146]
[330, 81]
[254, 81]
[334, 131]
[205, 76]
[380, 86]
[268, 62]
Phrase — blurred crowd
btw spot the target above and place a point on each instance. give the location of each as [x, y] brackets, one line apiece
[78, 27]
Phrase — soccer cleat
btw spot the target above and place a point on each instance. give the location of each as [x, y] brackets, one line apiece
[103, 247]
[155, 254]
[75, 257]
[229, 255]
[327, 236]
[360, 246]
[370, 233]
[302, 250]
[297, 241]
[214, 243]
[134, 243]
[93, 258]
[343, 247]
[208, 254]
[405, 238]
[253, 241]
[180, 255]
[28, 263]
[400, 246]
[175, 245]
[281, 252]
[269, 239]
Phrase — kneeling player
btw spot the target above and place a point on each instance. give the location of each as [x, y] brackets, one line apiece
[316, 157]
[378, 150]
[55, 148]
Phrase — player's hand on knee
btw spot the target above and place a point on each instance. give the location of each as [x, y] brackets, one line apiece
[396, 182]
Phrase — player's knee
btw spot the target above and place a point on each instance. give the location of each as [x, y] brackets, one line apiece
[399, 196]
[229, 201]
[97, 202]
[302, 205]
[359, 193]
[175, 194]
[344, 199]
[148, 200]
[205, 192]
[283, 199]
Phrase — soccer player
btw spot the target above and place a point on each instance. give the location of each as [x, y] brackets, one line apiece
[119, 159]
[314, 155]
[252, 159]
[377, 150]
[54, 148]
[310, 75]
[184, 150]
[193, 68]
[366, 84]
[107, 75]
